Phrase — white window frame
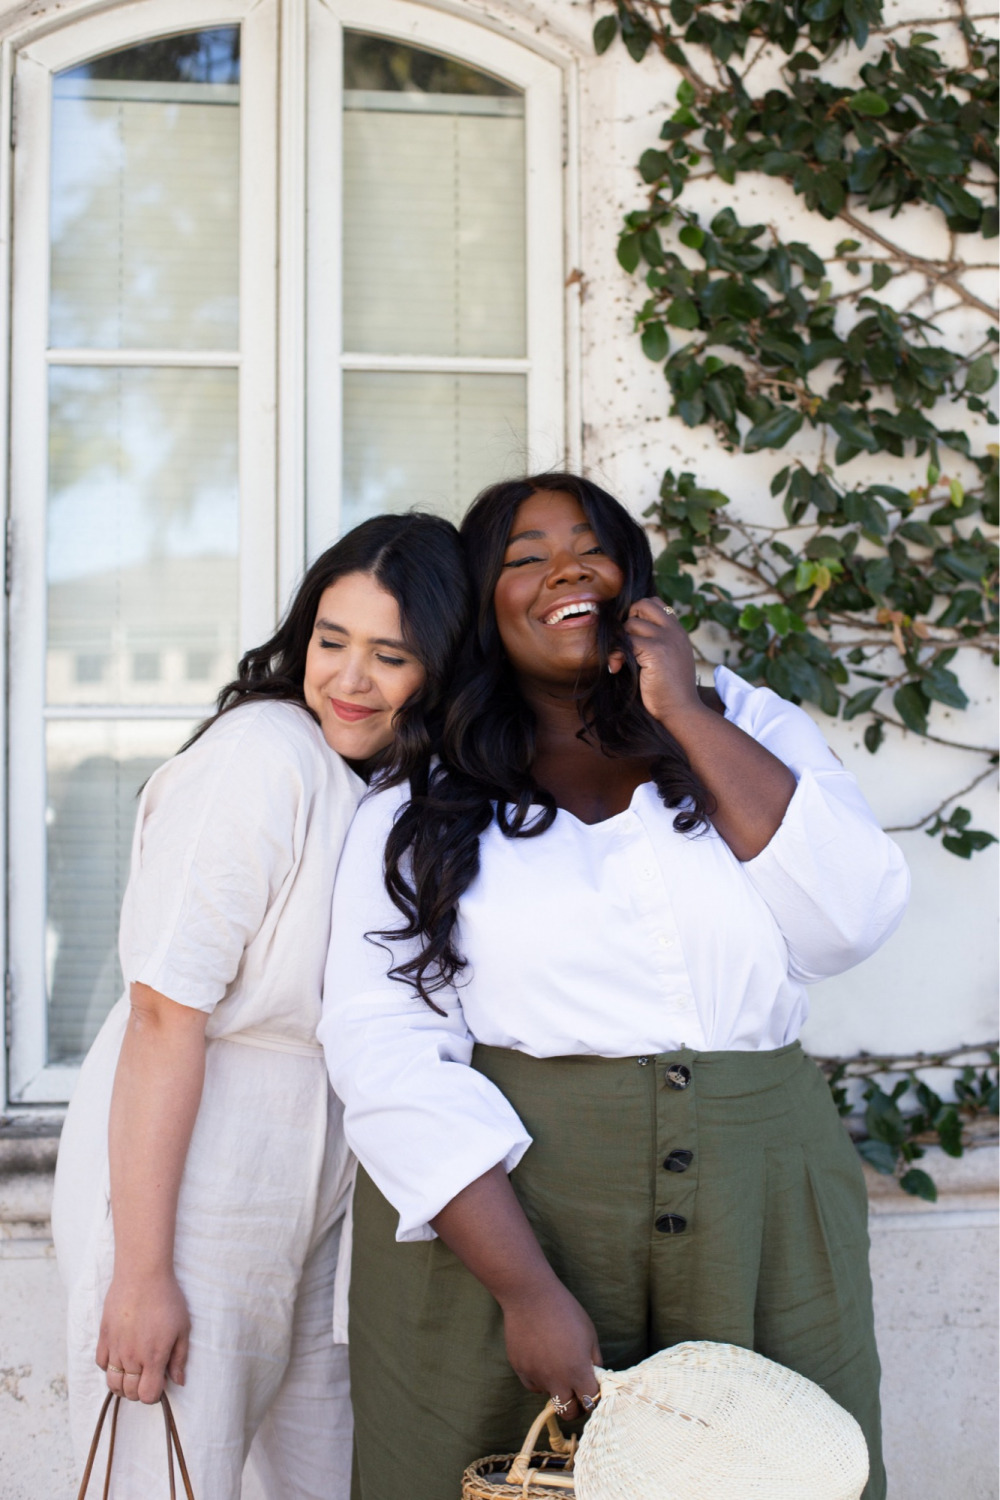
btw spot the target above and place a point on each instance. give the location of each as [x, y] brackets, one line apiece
[543, 366]
[290, 470]
[31, 1079]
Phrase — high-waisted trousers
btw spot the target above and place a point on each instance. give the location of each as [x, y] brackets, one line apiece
[760, 1239]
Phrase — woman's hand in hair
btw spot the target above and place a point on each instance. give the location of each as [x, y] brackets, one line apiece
[665, 658]
[750, 788]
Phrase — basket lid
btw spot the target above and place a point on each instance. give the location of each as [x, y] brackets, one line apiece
[704, 1421]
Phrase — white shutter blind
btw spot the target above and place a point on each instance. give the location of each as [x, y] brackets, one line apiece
[433, 224]
[144, 215]
[428, 440]
[434, 271]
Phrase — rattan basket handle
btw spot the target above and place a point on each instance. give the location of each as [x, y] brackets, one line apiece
[520, 1470]
[173, 1446]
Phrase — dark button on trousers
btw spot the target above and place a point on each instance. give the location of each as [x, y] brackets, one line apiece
[765, 1245]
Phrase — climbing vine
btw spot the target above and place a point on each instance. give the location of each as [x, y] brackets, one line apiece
[902, 1114]
[866, 596]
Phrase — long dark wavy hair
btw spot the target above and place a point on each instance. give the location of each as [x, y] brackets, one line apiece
[418, 559]
[488, 743]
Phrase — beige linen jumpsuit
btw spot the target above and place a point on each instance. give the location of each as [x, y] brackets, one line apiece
[227, 910]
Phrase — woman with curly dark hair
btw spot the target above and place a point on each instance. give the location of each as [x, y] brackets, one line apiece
[571, 1072]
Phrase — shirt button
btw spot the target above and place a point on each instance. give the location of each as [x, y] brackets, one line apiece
[677, 1076]
[647, 872]
[678, 1161]
[671, 1224]
[664, 941]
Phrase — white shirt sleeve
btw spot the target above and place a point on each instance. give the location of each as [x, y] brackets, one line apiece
[423, 1123]
[836, 885]
[215, 838]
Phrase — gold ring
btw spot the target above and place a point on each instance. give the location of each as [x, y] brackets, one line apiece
[115, 1370]
[667, 609]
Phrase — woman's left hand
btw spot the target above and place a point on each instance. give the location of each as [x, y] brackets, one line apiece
[665, 658]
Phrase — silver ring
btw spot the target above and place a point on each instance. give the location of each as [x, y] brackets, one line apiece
[667, 610]
[561, 1407]
[589, 1402]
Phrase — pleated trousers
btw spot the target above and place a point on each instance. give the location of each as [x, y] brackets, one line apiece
[690, 1195]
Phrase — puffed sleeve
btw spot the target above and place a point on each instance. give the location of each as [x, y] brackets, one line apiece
[216, 835]
[836, 885]
[423, 1123]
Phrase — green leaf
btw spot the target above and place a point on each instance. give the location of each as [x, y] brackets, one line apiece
[861, 702]
[867, 102]
[655, 341]
[883, 1119]
[943, 686]
[911, 705]
[751, 617]
[774, 431]
[866, 168]
[878, 1155]
[682, 313]
[854, 428]
[604, 33]
[981, 375]
[949, 1129]
[652, 246]
[653, 165]
[881, 273]
[779, 481]
[692, 236]
[686, 92]
[874, 735]
[919, 1184]
[628, 252]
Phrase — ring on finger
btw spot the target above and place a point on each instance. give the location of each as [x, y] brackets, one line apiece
[589, 1402]
[561, 1407]
[667, 610]
[114, 1370]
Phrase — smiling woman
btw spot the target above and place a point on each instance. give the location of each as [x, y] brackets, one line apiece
[202, 1172]
[359, 672]
[611, 903]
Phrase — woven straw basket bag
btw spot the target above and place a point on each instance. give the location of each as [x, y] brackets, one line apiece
[699, 1421]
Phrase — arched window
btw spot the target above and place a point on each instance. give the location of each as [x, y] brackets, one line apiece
[271, 274]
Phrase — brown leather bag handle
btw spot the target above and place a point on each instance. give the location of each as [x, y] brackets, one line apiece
[173, 1446]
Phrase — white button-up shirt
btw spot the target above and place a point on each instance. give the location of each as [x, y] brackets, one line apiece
[618, 938]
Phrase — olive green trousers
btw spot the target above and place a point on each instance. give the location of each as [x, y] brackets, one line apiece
[693, 1195]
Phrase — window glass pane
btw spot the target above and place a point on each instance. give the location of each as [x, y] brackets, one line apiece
[145, 151]
[95, 770]
[425, 440]
[143, 533]
[434, 234]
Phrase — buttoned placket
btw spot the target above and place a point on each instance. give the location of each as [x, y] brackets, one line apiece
[674, 1208]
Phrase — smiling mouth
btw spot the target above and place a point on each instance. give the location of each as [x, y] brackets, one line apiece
[575, 610]
[351, 713]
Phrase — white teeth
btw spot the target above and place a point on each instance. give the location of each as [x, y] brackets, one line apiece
[580, 607]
